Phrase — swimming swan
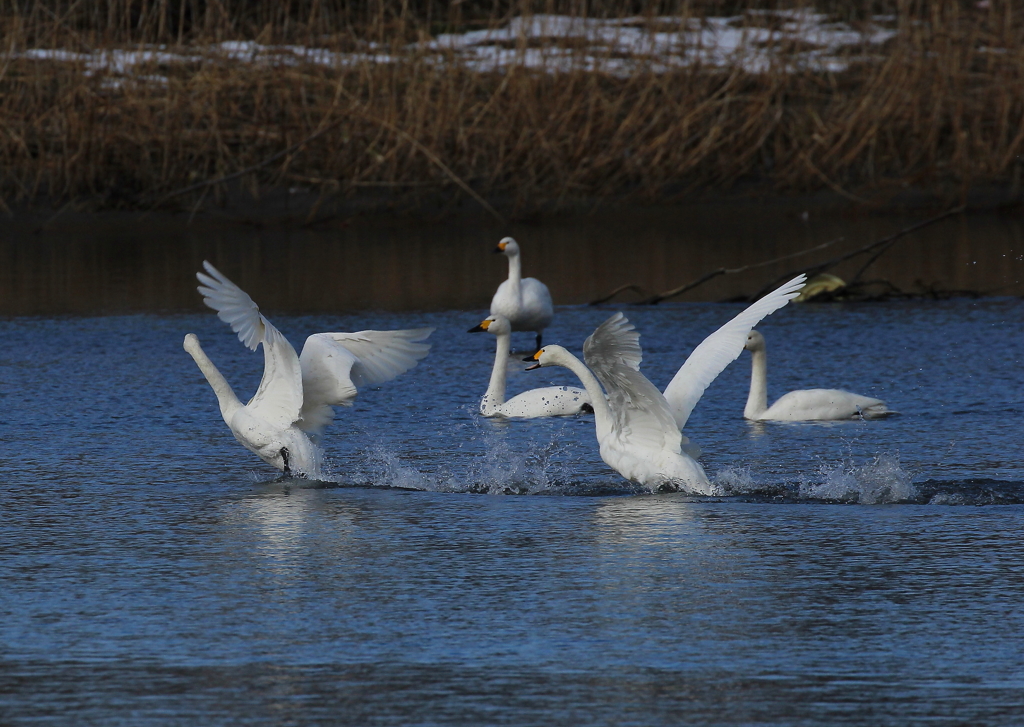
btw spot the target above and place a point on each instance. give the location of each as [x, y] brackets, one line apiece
[293, 404]
[720, 349]
[550, 401]
[526, 303]
[636, 431]
[806, 404]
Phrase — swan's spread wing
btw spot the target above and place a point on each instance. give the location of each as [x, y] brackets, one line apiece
[720, 349]
[236, 308]
[613, 342]
[383, 355]
[640, 413]
[279, 397]
[335, 365]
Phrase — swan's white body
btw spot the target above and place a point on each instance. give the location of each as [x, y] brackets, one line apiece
[635, 429]
[806, 404]
[720, 349]
[296, 396]
[549, 401]
[525, 302]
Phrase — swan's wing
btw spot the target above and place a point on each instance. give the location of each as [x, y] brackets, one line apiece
[640, 413]
[236, 308]
[383, 355]
[720, 349]
[335, 365]
[279, 397]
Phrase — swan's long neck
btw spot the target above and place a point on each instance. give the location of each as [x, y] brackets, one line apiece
[495, 395]
[757, 399]
[515, 271]
[226, 398]
[602, 412]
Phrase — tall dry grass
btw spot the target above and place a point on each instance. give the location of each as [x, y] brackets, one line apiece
[941, 110]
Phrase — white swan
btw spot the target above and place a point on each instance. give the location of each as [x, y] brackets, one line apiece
[550, 401]
[525, 302]
[720, 349]
[293, 404]
[636, 431]
[806, 404]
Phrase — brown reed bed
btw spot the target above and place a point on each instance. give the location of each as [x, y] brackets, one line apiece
[938, 108]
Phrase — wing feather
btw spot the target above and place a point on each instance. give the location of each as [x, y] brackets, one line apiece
[279, 397]
[641, 414]
[720, 349]
[336, 365]
[236, 308]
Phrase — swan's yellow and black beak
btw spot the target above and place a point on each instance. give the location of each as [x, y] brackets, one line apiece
[484, 325]
[534, 357]
[500, 248]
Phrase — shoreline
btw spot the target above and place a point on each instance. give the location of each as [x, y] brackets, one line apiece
[563, 116]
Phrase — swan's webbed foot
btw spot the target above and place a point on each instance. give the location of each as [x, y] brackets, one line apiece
[284, 458]
[539, 338]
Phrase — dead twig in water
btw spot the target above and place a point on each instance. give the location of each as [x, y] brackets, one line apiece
[629, 286]
[882, 246]
[655, 299]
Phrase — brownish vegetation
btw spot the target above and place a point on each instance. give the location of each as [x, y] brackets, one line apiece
[938, 108]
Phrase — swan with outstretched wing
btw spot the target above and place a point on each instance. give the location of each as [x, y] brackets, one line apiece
[636, 431]
[295, 398]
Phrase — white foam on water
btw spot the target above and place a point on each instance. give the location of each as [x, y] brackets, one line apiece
[735, 480]
[883, 480]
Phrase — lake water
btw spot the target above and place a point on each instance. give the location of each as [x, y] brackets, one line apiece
[466, 571]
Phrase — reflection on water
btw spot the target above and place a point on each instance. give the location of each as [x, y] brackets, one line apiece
[121, 263]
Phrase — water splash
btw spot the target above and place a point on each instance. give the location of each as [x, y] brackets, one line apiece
[489, 463]
[883, 480]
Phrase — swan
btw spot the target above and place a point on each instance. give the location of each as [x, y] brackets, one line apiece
[636, 431]
[549, 401]
[525, 302]
[294, 403]
[806, 404]
[720, 349]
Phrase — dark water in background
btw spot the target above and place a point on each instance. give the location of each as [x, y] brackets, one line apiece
[129, 263]
[152, 573]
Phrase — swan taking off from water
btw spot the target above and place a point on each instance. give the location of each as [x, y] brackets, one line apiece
[636, 431]
[806, 404]
[295, 399]
[720, 349]
[525, 302]
[549, 401]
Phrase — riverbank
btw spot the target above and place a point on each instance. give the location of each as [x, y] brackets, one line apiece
[523, 115]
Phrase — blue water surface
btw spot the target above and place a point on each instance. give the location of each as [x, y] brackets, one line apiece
[152, 571]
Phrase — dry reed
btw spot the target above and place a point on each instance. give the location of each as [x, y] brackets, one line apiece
[940, 108]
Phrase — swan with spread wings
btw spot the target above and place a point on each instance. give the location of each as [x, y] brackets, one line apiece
[638, 427]
[295, 400]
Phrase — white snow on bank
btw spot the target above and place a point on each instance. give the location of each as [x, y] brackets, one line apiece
[754, 42]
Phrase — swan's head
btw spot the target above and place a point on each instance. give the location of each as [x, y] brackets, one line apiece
[548, 356]
[191, 343]
[755, 341]
[498, 325]
[507, 247]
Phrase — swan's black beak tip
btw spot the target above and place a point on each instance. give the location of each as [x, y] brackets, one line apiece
[535, 366]
[497, 251]
[476, 329]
